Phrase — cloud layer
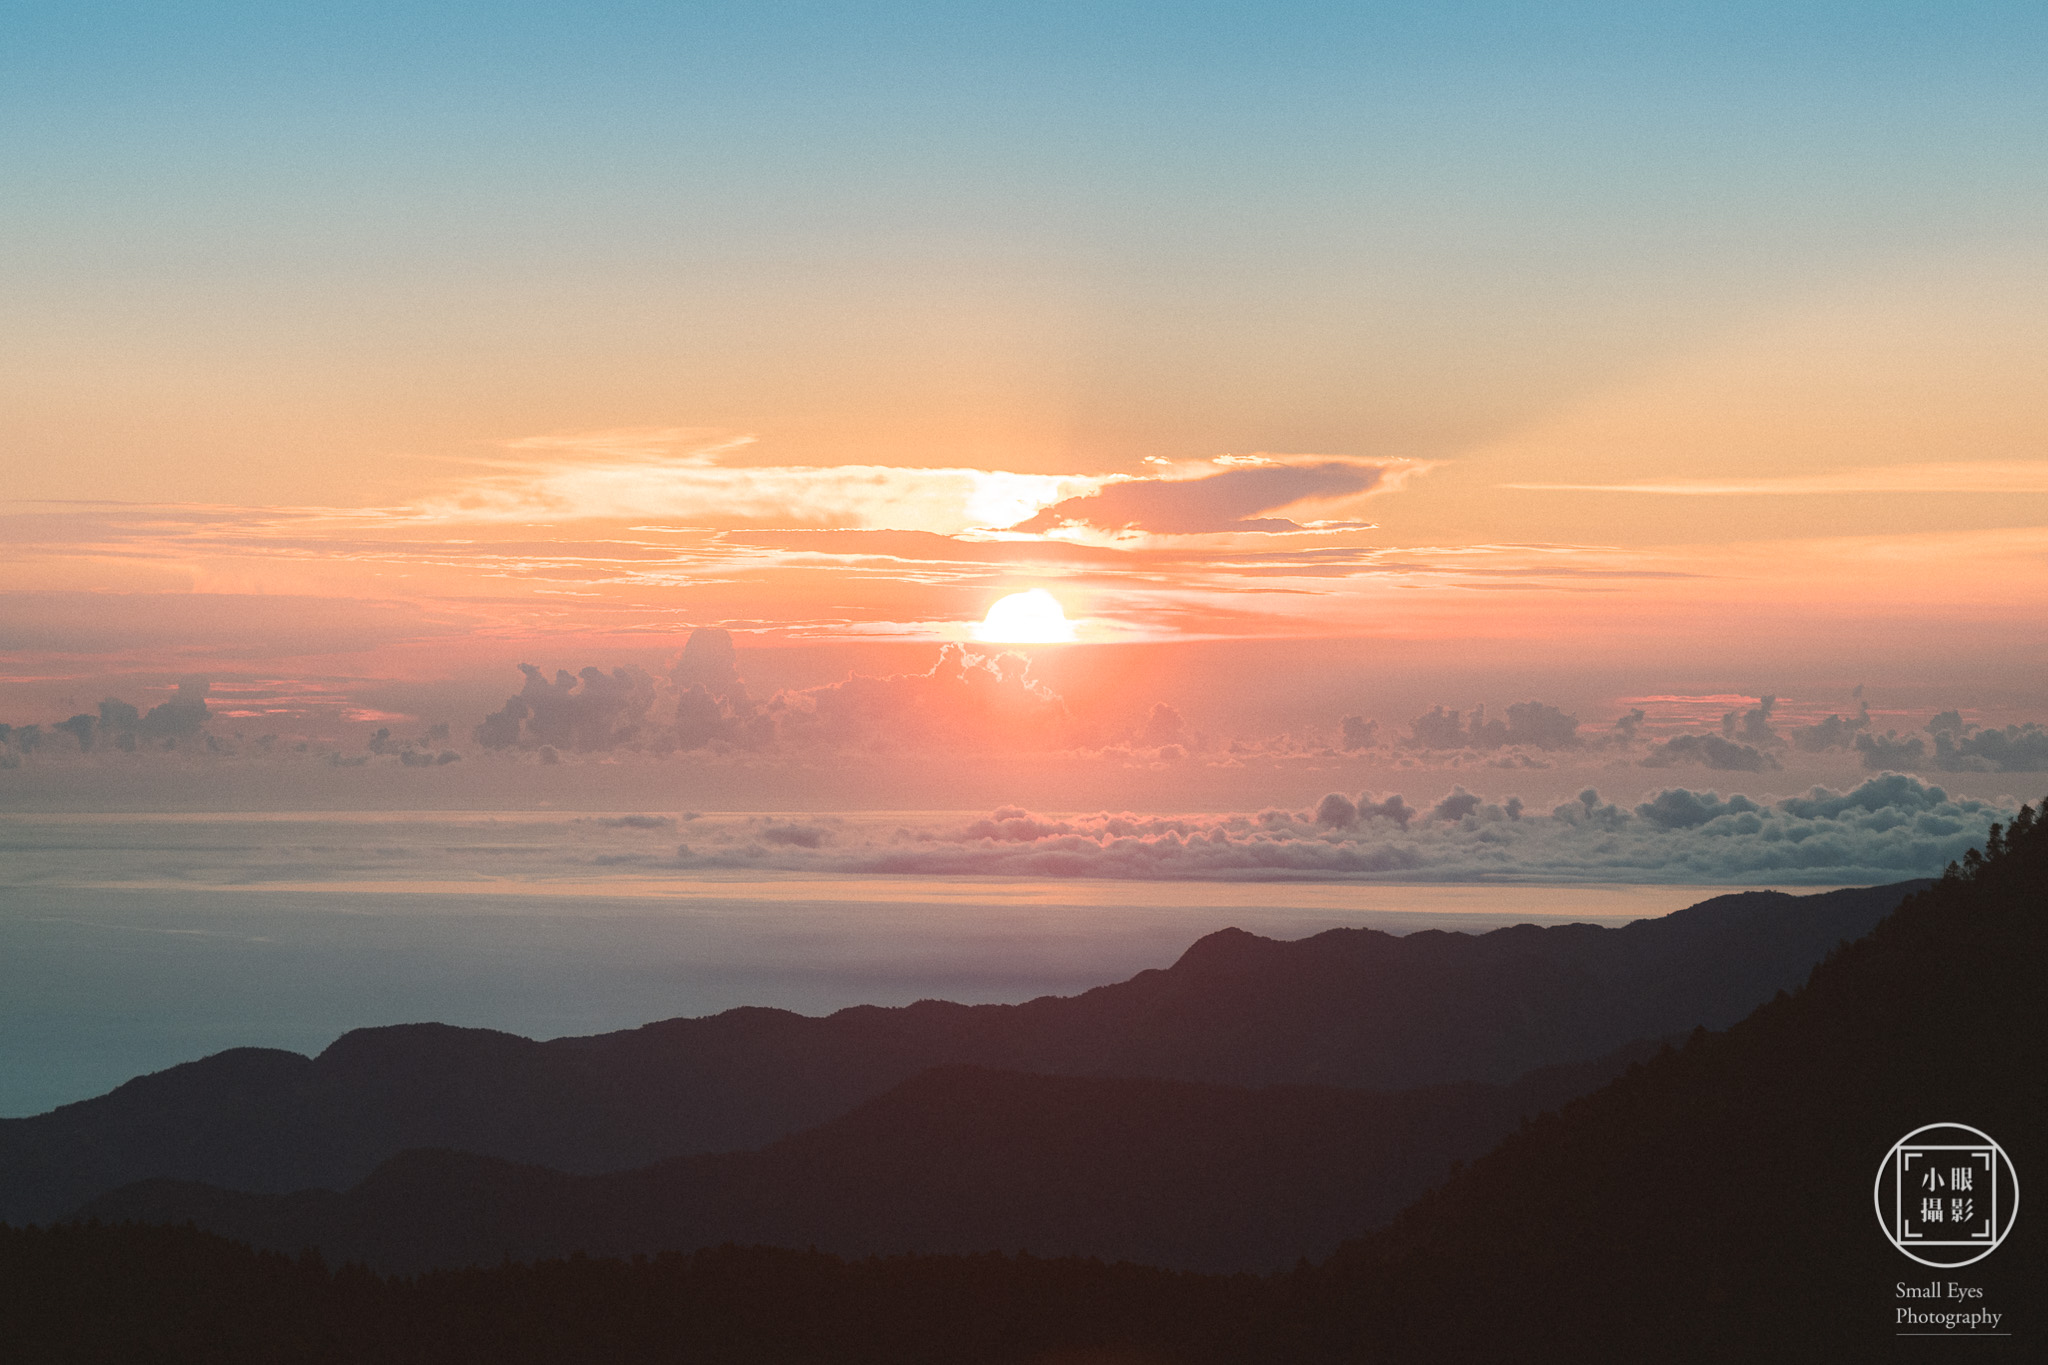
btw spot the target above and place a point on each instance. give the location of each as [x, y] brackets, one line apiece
[1890, 828]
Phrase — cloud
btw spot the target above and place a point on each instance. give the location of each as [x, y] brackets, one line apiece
[1677, 808]
[588, 711]
[636, 822]
[2012, 749]
[711, 661]
[683, 474]
[1358, 732]
[1531, 723]
[124, 726]
[967, 701]
[1211, 503]
[1959, 747]
[1459, 804]
[1833, 732]
[1960, 476]
[1889, 828]
[1709, 751]
[1891, 750]
[1754, 725]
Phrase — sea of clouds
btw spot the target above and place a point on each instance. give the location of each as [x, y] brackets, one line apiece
[1889, 828]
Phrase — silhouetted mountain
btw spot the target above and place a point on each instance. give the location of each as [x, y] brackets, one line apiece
[1716, 1203]
[1713, 1204]
[174, 1296]
[1349, 1007]
[960, 1159]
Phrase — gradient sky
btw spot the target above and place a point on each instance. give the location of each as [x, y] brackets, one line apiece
[1612, 351]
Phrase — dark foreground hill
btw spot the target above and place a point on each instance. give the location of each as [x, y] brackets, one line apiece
[1350, 1007]
[1714, 1204]
[959, 1159]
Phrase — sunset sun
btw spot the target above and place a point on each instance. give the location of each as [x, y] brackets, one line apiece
[1026, 618]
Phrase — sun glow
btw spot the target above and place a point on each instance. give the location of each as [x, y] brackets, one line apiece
[1026, 618]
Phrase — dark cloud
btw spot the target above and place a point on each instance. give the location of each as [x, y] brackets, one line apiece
[709, 661]
[1958, 747]
[2012, 749]
[1709, 751]
[1530, 723]
[1890, 750]
[1625, 728]
[1752, 726]
[1227, 501]
[1588, 810]
[122, 725]
[1832, 733]
[1336, 811]
[1457, 806]
[1359, 732]
[1677, 808]
[589, 711]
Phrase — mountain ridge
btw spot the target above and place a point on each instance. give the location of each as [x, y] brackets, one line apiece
[1348, 1007]
[957, 1159]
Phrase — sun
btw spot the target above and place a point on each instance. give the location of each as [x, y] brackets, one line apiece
[1026, 618]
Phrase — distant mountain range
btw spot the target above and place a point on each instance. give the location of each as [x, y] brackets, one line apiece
[1349, 1008]
[957, 1159]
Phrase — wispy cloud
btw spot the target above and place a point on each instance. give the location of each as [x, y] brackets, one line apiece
[686, 476]
[1983, 476]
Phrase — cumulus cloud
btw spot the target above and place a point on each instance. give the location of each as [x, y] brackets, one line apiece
[1677, 808]
[1459, 804]
[1709, 751]
[1958, 747]
[1338, 811]
[1752, 726]
[1881, 753]
[1833, 732]
[123, 725]
[1625, 729]
[587, 711]
[1967, 748]
[1531, 723]
[967, 700]
[1228, 501]
[1889, 828]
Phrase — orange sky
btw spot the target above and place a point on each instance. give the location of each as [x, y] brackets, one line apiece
[1386, 364]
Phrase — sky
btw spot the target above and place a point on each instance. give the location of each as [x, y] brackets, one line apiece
[1337, 370]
